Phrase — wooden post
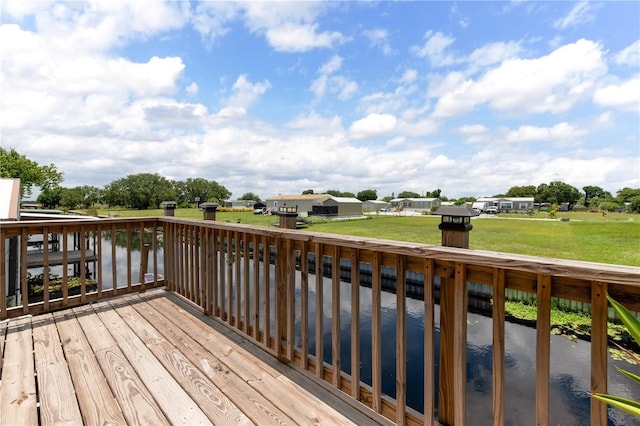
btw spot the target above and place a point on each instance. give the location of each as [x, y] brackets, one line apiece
[455, 227]
[169, 207]
[209, 211]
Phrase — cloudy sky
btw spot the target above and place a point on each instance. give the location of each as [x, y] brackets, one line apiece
[278, 97]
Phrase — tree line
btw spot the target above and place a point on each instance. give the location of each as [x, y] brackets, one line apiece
[146, 190]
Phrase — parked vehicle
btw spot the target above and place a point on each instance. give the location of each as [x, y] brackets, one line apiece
[492, 210]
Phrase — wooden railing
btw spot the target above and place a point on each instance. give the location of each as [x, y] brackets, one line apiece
[93, 248]
[259, 280]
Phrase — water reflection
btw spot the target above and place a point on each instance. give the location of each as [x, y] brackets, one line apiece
[570, 362]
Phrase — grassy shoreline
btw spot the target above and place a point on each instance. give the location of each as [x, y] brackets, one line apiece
[592, 237]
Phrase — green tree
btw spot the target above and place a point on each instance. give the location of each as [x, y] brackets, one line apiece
[557, 192]
[50, 197]
[307, 192]
[625, 195]
[15, 165]
[139, 191]
[207, 190]
[634, 205]
[436, 193]
[590, 192]
[408, 194]
[250, 196]
[521, 191]
[367, 194]
[336, 193]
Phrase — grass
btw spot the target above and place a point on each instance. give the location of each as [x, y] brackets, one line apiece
[614, 238]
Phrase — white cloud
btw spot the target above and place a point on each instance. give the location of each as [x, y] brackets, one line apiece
[434, 49]
[332, 65]
[559, 132]
[580, 14]
[290, 26]
[212, 18]
[625, 96]
[493, 53]
[373, 125]
[245, 93]
[192, 88]
[552, 83]
[409, 76]
[630, 55]
[301, 38]
[379, 38]
[339, 85]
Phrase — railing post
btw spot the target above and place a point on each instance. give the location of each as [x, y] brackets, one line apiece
[169, 207]
[209, 211]
[455, 227]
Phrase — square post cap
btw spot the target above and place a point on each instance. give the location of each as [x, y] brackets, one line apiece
[208, 206]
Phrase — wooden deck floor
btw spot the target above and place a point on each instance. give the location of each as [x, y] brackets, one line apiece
[152, 359]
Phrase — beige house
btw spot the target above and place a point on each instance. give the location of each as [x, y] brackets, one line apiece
[316, 205]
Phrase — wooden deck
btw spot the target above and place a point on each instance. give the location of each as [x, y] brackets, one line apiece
[153, 359]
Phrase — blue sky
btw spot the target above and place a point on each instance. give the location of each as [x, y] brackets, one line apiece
[279, 97]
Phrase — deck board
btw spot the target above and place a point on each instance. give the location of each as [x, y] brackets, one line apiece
[153, 358]
[53, 375]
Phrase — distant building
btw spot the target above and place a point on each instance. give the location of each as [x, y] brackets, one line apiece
[506, 204]
[417, 204]
[239, 204]
[317, 205]
[374, 205]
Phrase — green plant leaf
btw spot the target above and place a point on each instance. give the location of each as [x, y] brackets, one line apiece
[627, 405]
[629, 374]
[630, 321]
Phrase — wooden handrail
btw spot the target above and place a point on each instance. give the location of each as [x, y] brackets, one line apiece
[249, 277]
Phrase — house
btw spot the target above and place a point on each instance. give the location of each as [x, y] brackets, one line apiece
[374, 205]
[239, 204]
[507, 204]
[317, 205]
[416, 204]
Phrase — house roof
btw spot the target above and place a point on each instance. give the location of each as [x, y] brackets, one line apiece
[10, 199]
[415, 199]
[346, 200]
[299, 197]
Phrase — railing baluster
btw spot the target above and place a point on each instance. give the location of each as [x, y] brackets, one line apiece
[215, 262]
[304, 305]
[98, 252]
[266, 288]
[401, 340]
[45, 268]
[279, 320]
[319, 312]
[246, 281]
[335, 315]
[3, 275]
[498, 346]
[355, 324]
[599, 351]
[429, 343]
[114, 272]
[129, 283]
[256, 287]
[83, 264]
[376, 334]
[24, 287]
[291, 298]
[230, 278]
[460, 342]
[238, 284]
[543, 348]
[65, 263]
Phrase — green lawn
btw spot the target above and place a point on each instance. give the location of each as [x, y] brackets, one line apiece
[614, 238]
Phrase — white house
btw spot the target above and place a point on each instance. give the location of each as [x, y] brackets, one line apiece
[317, 205]
[417, 204]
